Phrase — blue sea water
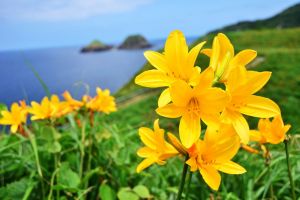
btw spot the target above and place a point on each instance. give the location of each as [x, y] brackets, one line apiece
[66, 69]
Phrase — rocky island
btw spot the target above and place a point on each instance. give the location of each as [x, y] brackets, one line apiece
[135, 42]
[96, 45]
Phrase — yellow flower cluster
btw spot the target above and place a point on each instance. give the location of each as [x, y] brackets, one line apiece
[54, 108]
[16, 116]
[219, 96]
[272, 132]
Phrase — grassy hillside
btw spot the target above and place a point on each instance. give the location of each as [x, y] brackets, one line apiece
[286, 19]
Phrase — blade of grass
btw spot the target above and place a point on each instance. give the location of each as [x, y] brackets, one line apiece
[36, 74]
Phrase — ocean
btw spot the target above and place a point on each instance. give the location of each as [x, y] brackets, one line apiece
[66, 69]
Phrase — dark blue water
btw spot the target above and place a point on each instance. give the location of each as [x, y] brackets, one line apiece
[66, 69]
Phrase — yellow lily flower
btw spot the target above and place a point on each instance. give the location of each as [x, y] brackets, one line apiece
[268, 131]
[15, 117]
[241, 86]
[102, 102]
[157, 150]
[176, 63]
[48, 109]
[192, 104]
[223, 59]
[214, 154]
[72, 103]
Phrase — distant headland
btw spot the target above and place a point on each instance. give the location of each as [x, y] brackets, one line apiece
[131, 42]
[135, 42]
[96, 45]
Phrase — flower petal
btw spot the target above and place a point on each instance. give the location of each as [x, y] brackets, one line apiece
[180, 93]
[164, 98]
[215, 54]
[205, 79]
[144, 164]
[207, 52]
[256, 80]
[157, 60]
[189, 129]
[153, 79]
[225, 45]
[14, 128]
[239, 123]
[261, 107]
[148, 137]
[211, 119]
[145, 152]
[243, 57]
[236, 77]
[195, 76]
[212, 100]
[177, 144]
[222, 144]
[211, 176]
[192, 163]
[193, 54]
[170, 111]
[255, 136]
[176, 51]
[230, 167]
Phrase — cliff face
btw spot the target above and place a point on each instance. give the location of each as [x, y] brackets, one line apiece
[95, 46]
[135, 42]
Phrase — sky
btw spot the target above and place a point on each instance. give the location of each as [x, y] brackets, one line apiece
[29, 24]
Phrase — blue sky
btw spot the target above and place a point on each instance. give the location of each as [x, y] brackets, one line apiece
[27, 24]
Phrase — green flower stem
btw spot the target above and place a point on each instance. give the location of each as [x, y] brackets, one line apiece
[271, 185]
[52, 184]
[82, 145]
[56, 166]
[268, 165]
[183, 176]
[36, 155]
[189, 184]
[293, 195]
[91, 142]
[35, 151]
[89, 158]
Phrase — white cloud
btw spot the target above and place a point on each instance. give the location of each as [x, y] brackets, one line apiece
[57, 10]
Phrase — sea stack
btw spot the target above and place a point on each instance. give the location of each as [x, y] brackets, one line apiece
[96, 45]
[135, 42]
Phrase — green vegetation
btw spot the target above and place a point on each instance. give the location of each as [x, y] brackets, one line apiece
[96, 44]
[135, 42]
[286, 19]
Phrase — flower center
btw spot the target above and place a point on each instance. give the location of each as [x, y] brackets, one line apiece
[176, 76]
[194, 107]
[203, 162]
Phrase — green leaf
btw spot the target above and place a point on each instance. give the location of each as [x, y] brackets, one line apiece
[142, 191]
[16, 190]
[127, 194]
[66, 177]
[2, 107]
[89, 174]
[106, 192]
[54, 147]
[51, 138]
